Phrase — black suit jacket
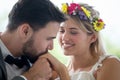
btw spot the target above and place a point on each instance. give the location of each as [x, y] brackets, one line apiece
[3, 72]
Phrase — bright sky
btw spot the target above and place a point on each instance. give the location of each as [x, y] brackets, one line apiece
[109, 11]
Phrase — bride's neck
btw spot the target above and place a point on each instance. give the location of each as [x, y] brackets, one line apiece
[81, 64]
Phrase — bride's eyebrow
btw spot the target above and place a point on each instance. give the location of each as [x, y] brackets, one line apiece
[73, 28]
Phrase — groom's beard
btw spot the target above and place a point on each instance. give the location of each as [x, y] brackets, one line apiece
[29, 50]
[33, 59]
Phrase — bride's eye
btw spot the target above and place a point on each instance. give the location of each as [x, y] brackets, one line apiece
[74, 32]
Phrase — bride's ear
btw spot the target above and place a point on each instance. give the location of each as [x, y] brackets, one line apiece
[93, 38]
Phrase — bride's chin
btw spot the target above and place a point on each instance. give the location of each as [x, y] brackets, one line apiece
[66, 53]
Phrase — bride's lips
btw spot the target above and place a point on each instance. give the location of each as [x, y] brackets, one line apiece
[67, 45]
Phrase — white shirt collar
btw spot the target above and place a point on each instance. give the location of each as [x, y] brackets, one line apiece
[4, 49]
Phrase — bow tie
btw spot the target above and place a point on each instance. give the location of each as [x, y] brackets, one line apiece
[20, 62]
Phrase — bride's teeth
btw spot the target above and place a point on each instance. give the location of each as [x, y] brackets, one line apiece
[67, 45]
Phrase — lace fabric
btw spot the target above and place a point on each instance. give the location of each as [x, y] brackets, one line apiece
[88, 75]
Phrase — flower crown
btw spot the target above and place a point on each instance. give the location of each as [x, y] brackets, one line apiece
[84, 14]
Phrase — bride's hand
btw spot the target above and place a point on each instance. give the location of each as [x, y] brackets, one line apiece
[58, 67]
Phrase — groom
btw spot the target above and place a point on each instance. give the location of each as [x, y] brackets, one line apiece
[33, 24]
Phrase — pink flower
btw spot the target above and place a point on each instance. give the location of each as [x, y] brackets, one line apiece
[73, 7]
